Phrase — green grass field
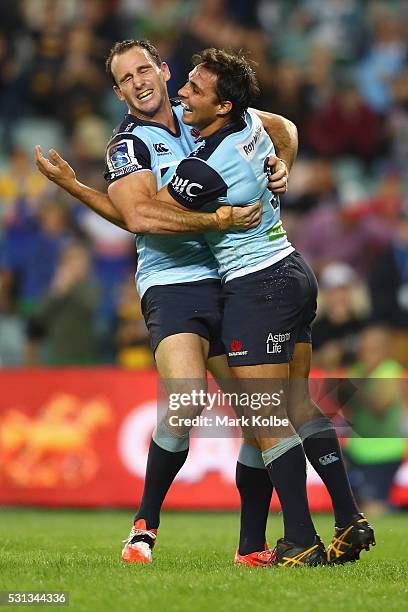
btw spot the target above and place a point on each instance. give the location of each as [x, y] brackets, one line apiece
[79, 552]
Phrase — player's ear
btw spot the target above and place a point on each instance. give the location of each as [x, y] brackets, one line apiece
[224, 108]
[119, 94]
[165, 71]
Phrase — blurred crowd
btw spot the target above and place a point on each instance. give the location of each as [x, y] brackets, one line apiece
[337, 68]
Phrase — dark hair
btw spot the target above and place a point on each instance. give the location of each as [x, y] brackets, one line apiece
[236, 80]
[123, 46]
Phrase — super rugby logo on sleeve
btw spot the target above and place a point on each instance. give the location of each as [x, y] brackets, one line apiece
[121, 156]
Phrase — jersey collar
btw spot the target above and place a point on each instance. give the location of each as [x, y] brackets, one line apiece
[136, 121]
[226, 130]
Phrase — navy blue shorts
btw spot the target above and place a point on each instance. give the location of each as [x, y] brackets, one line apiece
[268, 311]
[179, 308]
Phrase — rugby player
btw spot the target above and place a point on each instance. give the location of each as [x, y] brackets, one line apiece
[269, 297]
[177, 277]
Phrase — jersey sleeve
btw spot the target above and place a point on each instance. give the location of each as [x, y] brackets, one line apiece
[195, 183]
[126, 154]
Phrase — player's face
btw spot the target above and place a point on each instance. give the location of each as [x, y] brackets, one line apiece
[140, 82]
[201, 106]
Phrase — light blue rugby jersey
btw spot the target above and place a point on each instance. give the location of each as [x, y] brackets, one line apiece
[230, 167]
[145, 145]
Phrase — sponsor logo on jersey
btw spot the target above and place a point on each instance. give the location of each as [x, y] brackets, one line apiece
[327, 459]
[274, 342]
[236, 347]
[277, 231]
[184, 186]
[161, 148]
[248, 147]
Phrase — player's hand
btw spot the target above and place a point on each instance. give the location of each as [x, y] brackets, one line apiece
[239, 217]
[278, 179]
[55, 169]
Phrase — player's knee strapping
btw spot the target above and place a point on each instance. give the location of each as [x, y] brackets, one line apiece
[282, 447]
[168, 440]
[314, 427]
[251, 456]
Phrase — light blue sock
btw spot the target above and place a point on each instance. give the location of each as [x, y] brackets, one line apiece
[313, 427]
[169, 441]
[280, 449]
[250, 456]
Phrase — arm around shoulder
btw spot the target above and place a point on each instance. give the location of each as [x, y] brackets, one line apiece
[283, 134]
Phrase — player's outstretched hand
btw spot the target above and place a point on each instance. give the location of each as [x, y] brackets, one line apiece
[279, 175]
[239, 217]
[56, 169]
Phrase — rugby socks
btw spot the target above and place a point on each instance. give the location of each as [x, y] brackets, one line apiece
[162, 468]
[168, 440]
[288, 475]
[255, 489]
[323, 450]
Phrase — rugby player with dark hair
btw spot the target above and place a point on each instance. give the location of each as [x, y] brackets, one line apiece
[269, 295]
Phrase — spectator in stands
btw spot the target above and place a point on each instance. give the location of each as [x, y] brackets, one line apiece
[376, 445]
[288, 94]
[384, 60]
[106, 22]
[12, 327]
[130, 334]
[388, 283]
[80, 82]
[312, 187]
[344, 234]
[397, 120]
[32, 245]
[212, 25]
[48, 30]
[353, 126]
[21, 187]
[66, 317]
[12, 83]
[336, 331]
[334, 24]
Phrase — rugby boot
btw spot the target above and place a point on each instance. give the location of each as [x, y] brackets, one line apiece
[349, 541]
[139, 544]
[263, 558]
[288, 554]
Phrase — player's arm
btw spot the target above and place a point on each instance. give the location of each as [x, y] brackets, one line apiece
[132, 190]
[193, 185]
[57, 170]
[284, 136]
[196, 184]
[146, 212]
[127, 202]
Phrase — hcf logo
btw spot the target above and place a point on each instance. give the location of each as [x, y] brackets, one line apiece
[182, 186]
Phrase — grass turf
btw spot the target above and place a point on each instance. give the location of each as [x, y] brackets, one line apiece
[78, 551]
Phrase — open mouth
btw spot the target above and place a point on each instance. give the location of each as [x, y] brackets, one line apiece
[186, 108]
[145, 94]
